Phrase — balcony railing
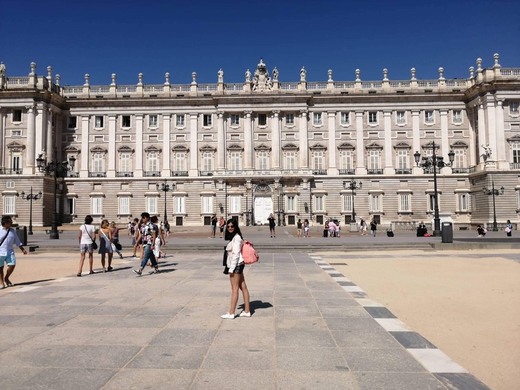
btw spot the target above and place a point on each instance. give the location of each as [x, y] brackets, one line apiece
[10, 171]
[72, 174]
[97, 174]
[151, 174]
[375, 171]
[403, 171]
[206, 173]
[460, 170]
[319, 171]
[124, 174]
[347, 171]
[514, 166]
[179, 173]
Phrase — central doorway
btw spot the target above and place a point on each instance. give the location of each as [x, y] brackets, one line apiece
[263, 207]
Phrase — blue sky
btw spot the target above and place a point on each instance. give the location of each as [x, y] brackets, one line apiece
[101, 37]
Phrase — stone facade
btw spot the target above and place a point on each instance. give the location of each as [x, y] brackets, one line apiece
[263, 146]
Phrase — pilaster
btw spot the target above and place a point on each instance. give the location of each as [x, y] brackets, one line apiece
[31, 132]
[360, 148]
[482, 139]
[166, 146]
[3, 117]
[304, 139]
[248, 140]
[193, 169]
[275, 131]
[49, 139]
[416, 138]
[221, 142]
[138, 172]
[40, 119]
[85, 153]
[501, 137]
[112, 120]
[445, 146]
[491, 125]
[389, 152]
[332, 170]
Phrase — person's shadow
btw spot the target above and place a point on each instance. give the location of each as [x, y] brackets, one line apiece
[254, 305]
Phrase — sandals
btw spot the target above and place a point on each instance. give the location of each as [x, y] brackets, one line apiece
[8, 283]
[78, 274]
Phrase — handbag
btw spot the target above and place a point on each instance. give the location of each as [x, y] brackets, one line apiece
[118, 246]
[94, 244]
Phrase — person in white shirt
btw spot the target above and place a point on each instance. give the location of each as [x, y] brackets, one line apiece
[86, 236]
[8, 238]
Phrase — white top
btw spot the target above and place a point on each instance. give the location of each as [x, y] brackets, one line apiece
[85, 239]
[234, 253]
[7, 245]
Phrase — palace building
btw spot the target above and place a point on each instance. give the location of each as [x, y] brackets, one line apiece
[299, 150]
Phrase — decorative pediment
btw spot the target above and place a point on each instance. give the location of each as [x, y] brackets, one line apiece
[290, 147]
[318, 147]
[346, 145]
[430, 145]
[15, 147]
[207, 148]
[125, 149]
[98, 149]
[402, 145]
[374, 145]
[262, 147]
[235, 147]
[71, 149]
[459, 144]
[152, 149]
[180, 148]
[514, 138]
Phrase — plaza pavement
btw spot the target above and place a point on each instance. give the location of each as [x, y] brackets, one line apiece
[311, 328]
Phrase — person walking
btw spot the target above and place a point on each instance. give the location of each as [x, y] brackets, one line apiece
[272, 225]
[8, 238]
[234, 267]
[148, 235]
[509, 228]
[137, 239]
[363, 227]
[115, 239]
[221, 225]
[299, 226]
[214, 221]
[306, 228]
[373, 227]
[105, 245]
[86, 238]
[160, 238]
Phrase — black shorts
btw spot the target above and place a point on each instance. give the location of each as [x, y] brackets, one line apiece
[238, 270]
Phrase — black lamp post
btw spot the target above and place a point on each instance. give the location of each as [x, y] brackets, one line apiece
[435, 163]
[353, 185]
[493, 192]
[30, 197]
[56, 169]
[165, 187]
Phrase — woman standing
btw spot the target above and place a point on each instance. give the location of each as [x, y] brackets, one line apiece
[509, 228]
[306, 228]
[105, 244]
[221, 225]
[234, 266]
[373, 227]
[115, 238]
[272, 224]
[86, 237]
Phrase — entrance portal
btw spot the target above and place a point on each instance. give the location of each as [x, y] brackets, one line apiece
[263, 207]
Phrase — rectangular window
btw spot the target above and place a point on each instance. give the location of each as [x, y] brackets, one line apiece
[263, 160]
[17, 163]
[319, 160]
[98, 162]
[17, 115]
[290, 160]
[347, 203]
[460, 158]
[515, 152]
[207, 204]
[153, 161]
[319, 204]
[152, 121]
[97, 205]
[375, 203]
[234, 204]
[428, 116]
[402, 159]
[235, 161]
[151, 204]
[125, 162]
[235, 120]
[180, 204]
[289, 119]
[400, 118]
[72, 122]
[9, 204]
[457, 116]
[124, 205]
[71, 206]
[404, 203]
[291, 203]
[317, 119]
[372, 117]
[207, 161]
[99, 121]
[345, 118]
[513, 108]
[262, 120]
[125, 121]
[179, 161]
[373, 159]
[463, 202]
[207, 120]
[431, 202]
[180, 120]
[346, 159]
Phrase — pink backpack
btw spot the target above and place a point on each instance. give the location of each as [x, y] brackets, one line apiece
[249, 253]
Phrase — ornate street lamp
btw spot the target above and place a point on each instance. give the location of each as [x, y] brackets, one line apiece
[493, 192]
[165, 187]
[353, 185]
[56, 169]
[434, 162]
[30, 197]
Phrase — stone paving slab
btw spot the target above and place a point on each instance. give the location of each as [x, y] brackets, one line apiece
[116, 330]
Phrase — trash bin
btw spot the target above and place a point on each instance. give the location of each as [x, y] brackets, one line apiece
[447, 232]
[22, 234]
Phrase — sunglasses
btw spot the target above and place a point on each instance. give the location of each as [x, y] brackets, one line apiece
[230, 226]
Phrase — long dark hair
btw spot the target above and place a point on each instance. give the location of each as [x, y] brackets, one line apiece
[229, 236]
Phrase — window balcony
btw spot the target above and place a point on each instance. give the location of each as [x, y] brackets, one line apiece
[10, 171]
[347, 171]
[72, 174]
[152, 174]
[514, 166]
[179, 173]
[124, 174]
[319, 171]
[460, 170]
[375, 171]
[205, 173]
[403, 171]
[97, 174]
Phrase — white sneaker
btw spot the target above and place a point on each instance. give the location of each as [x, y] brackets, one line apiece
[245, 314]
[228, 316]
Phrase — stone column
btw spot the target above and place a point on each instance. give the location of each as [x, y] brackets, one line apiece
[49, 139]
[166, 163]
[360, 147]
[85, 152]
[2, 137]
[491, 125]
[501, 137]
[471, 158]
[138, 171]
[389, 151]
[416, 139]
[248, 141]
[40, 129]
[221, 142]
[112, 152]
[332, 170]
[304, 140]
[445, 146]
[275, 143]
[482, 139]
[194, 150]
[31, 132]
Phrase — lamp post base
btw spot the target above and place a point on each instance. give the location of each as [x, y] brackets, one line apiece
[437, 233]
[54, 233]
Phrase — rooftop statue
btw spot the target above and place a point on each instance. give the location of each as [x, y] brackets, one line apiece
[261, 79]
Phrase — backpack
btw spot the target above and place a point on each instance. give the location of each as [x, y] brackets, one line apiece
[249, 253]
